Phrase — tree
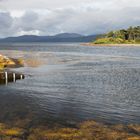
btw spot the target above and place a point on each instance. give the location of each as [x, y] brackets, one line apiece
[110, 34]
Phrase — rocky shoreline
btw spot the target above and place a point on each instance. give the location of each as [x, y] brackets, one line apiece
[6, 62]
[7, 75]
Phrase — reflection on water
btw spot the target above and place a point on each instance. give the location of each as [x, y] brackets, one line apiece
[68, 83]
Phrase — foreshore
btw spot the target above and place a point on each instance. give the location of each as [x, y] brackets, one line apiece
[110, 45]
[88, 130]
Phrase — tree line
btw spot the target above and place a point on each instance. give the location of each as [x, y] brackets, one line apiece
[132, 33]
[123, 36]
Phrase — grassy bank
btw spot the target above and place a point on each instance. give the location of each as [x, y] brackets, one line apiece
[128, 36]
[111, 40]
[89, 130]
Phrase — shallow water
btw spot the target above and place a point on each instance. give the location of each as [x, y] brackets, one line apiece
[67, 83]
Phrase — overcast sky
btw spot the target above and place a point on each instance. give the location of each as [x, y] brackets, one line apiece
[48, 17]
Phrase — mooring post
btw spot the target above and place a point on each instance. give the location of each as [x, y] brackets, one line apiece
[14, 77]
[6, 78]
[21, 76]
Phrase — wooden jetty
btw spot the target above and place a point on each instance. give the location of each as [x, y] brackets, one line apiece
[7, 76]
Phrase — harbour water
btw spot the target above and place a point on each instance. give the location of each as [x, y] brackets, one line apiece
[68, 83]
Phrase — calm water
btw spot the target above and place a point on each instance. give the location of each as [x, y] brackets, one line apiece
[68, 83]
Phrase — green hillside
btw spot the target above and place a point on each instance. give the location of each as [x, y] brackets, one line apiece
[128, 36]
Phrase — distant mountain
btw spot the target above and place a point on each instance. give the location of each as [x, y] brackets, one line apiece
[63, 37]
[68, 35]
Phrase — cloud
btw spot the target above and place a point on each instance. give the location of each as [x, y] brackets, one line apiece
[41, 4]
[6, 23]
[97, 16]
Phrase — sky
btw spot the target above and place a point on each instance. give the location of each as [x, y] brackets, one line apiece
[49, 17]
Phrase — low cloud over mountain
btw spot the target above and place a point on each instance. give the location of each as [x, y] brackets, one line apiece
[40, 17]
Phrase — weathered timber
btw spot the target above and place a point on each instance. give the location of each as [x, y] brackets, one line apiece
[6, 77]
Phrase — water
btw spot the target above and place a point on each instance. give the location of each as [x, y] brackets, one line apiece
[68, 83]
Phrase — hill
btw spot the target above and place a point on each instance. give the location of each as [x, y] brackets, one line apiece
[64, 37]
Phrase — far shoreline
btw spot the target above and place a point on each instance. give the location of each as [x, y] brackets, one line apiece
[110, 45]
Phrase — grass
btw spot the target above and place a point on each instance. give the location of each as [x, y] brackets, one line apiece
[111, 40]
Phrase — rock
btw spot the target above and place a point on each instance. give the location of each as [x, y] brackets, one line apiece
[6, 62]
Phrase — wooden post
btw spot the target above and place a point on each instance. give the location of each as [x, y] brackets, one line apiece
[14, 77]
[6, 78]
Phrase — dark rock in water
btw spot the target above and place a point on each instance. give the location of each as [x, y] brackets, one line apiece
[6, 77]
